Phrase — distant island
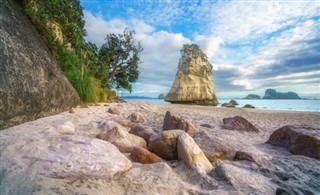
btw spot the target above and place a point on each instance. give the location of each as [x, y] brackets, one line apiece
[161, 96]
[137, 97]
[252, 97]
[273, 94]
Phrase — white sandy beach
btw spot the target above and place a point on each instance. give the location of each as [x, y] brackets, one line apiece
[276, 168]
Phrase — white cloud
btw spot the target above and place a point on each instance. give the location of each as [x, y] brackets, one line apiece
[210, 45]
[239, 21]
[160, 55]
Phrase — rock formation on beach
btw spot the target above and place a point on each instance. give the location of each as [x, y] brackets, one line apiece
[193, 83]
[32, 84]
[273, 94]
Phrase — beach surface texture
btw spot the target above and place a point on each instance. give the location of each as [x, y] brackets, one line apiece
[61, 154]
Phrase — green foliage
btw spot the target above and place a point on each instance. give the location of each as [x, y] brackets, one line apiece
[92, 71]
[118, 61]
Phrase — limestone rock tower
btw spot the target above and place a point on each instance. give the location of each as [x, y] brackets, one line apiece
[193, 83]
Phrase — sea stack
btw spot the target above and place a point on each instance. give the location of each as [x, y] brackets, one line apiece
[193, 83]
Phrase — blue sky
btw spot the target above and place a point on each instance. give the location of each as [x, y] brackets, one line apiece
[252, 45]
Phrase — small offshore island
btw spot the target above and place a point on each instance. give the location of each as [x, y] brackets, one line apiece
[56, 139]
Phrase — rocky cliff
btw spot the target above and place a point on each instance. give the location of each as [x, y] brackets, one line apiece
[273, 94]
[193, 83]
[32, 84]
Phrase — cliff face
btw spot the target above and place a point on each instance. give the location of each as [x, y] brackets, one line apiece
[273, 94]
[193, 83]
[32, 84]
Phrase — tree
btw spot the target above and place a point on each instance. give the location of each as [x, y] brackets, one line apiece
[118, 61]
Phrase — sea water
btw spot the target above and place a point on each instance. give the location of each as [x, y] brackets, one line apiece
[295, 105]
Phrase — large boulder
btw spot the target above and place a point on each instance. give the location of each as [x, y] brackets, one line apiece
[141, 155]
[165, 144]
[136, 118]
[192, 155]
[123, 140]
[214, 148]
[174, 122]
[63, 156]
[142, 131]
[299, 140]
[239, 123]
[193, 83]
[32, 84]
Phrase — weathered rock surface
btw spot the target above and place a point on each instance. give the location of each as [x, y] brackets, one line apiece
[65, 156]
[174, 122]
[165, 144]
[299, 140]
[193, 83]
[66, 128]
[115, 110]
[214, 148]
[142, 131]
[245, 180]
[192, 155]
[32, 84]
[123, 140]
[239, 123]
[108, 125]
[136, 118]
[141, 155]
[157, 178]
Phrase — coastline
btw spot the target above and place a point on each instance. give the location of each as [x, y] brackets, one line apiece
[250, 176]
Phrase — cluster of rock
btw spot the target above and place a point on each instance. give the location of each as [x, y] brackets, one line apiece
[193, 83]
[252, 97]
[232, 104]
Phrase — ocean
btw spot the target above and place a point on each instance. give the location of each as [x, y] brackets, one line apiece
[294, 105]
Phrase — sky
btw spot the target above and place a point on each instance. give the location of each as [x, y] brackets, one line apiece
[252, 45]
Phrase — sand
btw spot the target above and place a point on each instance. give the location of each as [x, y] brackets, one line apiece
[276, 169]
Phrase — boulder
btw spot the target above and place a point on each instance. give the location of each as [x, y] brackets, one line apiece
[123, 140]
[66, 128]
[142, 131]
[174, 122]
[115, 110]
[228, 105]
[214, 148]
[239, 123]
[299, 140]
[207, 125]
[32, 84]
[248, 106]
[193, 83]
[234, 102]
[72, 110]
[62, 156]
[192, 155]
[141, 155]
[108, 125]
[165, 144]
[136, 118]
